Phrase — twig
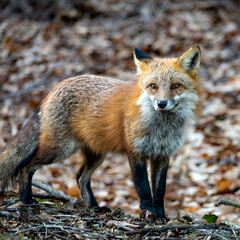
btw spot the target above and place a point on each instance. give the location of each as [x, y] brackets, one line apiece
[179, 227]
[61, 237]
[119, 226]
[63, 228]
[65, 215]
[220, 236]
[229, 202]
[30, 87]
[37, 83]
[54, 193]
[53, 226]
[193, 4]
[122, 225]
[212, 234]
[49, 196]
[27, 89]
[233, 231]
[7, 214]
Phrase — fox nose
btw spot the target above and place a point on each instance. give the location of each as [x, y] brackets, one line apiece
[162, 104]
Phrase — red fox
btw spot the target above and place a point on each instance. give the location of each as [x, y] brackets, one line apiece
[144, 119]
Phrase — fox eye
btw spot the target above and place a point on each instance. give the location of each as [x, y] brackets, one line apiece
[175, 86]
[153, 86]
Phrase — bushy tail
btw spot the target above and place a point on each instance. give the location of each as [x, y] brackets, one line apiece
[19, 151]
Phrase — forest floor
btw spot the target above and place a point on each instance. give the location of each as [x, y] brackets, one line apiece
[42, 44]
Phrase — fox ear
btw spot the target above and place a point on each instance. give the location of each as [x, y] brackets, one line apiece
[190, 60]
[141, 60]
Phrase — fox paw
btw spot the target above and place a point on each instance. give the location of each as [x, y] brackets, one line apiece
[148, 215]
[162, 220]
[34, 201]
[30, 202]
[161, 217]
[102, 209]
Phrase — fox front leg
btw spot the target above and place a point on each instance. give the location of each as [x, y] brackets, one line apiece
[140, 179]
[159, 169]
[90, 163]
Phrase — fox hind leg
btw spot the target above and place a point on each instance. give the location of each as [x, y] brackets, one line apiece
[91, 161]
[25, 186]
[26, 174]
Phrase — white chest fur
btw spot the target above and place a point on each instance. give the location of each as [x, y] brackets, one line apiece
[163, 135]
[163, 131]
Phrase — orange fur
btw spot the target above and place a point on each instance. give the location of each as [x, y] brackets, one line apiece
[107, 127]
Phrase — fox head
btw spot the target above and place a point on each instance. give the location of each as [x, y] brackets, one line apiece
[169, 84]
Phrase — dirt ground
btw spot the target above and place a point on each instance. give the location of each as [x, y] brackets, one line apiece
[41, 43]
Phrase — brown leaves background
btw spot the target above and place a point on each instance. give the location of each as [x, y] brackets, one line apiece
[43, 43]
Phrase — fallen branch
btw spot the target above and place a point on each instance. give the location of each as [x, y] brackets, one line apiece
[54, 193]
[229, 202]
[49, 196]
[177, 227]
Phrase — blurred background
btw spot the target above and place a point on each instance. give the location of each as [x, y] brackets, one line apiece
[43, 42]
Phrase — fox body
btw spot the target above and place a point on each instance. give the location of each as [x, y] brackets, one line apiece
[144, 119]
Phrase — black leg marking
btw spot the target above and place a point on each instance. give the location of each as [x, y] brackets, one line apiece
[159, 174]
[25, 193]
[140, 179]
